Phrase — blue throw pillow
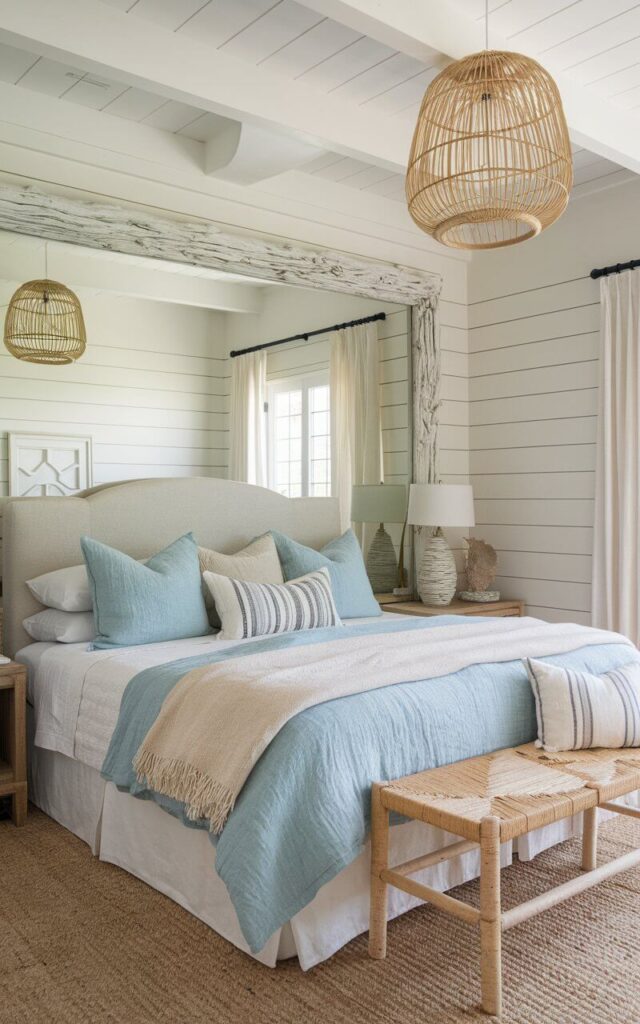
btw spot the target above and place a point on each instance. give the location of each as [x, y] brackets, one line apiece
[352, 591]
[145, 602]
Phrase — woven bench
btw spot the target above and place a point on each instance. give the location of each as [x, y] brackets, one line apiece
[488, 801]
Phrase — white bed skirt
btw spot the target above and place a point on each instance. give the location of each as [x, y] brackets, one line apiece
[142, 839]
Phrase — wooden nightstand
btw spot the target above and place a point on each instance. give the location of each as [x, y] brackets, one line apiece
[385, 599]
[13, 738]
[501, 609]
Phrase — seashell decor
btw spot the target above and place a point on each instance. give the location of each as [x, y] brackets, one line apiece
[481, 565]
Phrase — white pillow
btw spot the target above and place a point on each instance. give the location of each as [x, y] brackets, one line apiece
[65, 589]
[249, 609]
[61, 627]
[578, 710]
[258, 562]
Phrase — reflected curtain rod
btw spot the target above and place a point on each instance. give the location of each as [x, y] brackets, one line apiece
[309, 334]
[615, 269]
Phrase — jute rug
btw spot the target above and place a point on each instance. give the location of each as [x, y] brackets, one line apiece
[84, 943]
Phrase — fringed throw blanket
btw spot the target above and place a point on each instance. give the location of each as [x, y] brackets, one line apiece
[219, 719]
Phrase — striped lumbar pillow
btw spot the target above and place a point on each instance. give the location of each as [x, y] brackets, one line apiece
[249, 609]
[577, 710]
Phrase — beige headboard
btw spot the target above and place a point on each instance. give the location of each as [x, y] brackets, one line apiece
[140, 517]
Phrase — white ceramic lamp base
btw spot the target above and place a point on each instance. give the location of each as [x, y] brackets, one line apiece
[382, 563]
[437, 574]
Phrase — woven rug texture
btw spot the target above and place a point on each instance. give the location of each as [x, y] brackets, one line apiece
[83, 942]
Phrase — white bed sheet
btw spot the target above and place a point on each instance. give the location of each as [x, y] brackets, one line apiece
[76, 697]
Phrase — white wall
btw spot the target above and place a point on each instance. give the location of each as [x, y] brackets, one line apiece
[151, 390]
[534, 319]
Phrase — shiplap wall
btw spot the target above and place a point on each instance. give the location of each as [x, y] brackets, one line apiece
[534, 319]
[152, 390]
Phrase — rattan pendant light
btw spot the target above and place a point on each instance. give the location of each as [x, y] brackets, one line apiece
[44, 323]
[490, 163]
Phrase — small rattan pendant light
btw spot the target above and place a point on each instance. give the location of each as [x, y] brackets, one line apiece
[490, 163]
[44, 323]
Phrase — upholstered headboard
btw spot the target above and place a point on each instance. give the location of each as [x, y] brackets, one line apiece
[140, 517]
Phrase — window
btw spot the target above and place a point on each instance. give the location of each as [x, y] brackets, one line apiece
[300, 436]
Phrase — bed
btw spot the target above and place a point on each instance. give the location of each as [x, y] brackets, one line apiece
[75, 697]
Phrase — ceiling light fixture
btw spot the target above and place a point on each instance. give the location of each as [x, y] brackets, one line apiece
[44, 322]
[490, 163]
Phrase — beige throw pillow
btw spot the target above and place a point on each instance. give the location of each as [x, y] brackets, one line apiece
[257, 563]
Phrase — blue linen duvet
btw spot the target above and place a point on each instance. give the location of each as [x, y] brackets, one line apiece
[303, 813]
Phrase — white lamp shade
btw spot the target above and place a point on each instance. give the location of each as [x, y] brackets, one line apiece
[378, 503]
[441, 505]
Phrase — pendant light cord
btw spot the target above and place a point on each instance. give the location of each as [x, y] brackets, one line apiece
[486, 24]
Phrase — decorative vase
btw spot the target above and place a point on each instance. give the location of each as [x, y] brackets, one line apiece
[382, 563]
[437, 575]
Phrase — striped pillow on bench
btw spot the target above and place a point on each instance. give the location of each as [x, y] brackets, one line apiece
[577, 710]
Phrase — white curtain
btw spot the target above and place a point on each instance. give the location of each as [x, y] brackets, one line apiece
[248, 454]
[356, 438]
[616, 554]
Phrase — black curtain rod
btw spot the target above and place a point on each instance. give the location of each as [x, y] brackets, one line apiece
[615, 269]
[310, 334]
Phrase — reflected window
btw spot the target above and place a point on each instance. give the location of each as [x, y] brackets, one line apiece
[299, 416]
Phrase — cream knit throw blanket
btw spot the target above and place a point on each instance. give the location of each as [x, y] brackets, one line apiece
[218, 720]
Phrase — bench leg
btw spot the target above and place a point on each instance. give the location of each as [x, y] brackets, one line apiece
[490, 923]
[379, 861]
[589, 838]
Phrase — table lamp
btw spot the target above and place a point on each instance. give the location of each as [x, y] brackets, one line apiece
[381, 503]
[438, 505]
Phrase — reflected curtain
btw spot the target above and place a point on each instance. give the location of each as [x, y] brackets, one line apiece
[356, 437]
[248, 448]
[616, 553]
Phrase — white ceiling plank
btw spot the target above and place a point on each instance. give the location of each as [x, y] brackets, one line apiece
[630, 99]
[340, 169]
[365, 178]
[388, 187]
[216, 23]
[184, 71]
[121, 5]
[315, 46]
[617, 82]
[604, 63]
[597, 168]
[569, 27]
[14, 63]
[324, 160]
[602, 37]
[518, 16]
[587, 188]
[404, 95]
[135, 104]
[204, 127]
[346, 64]
[170, 14]
[274, 30]
[173, 116]
[51, 77]
[94, 92]
[396, 70]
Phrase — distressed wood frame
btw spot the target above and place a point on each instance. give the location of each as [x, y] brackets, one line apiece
[117, 228]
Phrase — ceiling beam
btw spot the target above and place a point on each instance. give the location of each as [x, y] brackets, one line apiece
[416, 28]
[98, 38]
